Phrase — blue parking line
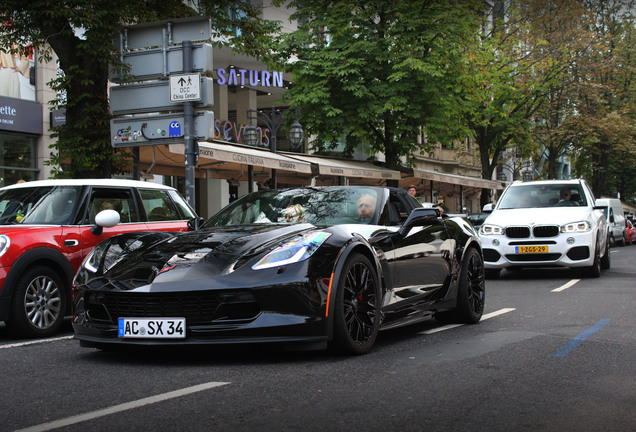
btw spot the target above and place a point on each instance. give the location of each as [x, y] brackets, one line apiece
[578, 340]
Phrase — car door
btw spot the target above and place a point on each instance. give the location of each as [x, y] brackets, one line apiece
[164, 211]
[420, 260]
[120, 199]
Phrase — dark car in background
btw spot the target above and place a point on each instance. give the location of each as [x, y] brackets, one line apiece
[48, 227]
[301, 267]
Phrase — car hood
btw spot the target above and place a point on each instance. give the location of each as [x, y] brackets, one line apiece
[176, 259]
[538, 216]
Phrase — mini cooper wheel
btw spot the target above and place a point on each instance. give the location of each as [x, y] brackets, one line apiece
[357, 308]
[38, 303]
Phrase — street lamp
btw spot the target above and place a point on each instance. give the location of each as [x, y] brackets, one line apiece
[273, 121]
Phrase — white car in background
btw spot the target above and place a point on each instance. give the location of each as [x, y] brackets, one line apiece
[534, 225]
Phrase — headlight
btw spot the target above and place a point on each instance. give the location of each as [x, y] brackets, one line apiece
[5, 242]
[582, 226]
[491, 230]
[93, 260]
[299, 249]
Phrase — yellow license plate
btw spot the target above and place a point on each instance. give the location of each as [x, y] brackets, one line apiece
[531, 249]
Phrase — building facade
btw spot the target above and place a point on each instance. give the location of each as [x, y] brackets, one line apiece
[227, 168]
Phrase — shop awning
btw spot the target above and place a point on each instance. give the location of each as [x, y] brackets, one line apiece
[348, 168]
[245, 155]
[457, 179]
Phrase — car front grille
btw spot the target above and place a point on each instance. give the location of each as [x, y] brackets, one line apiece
[517, 232]
[195, 307]
[545, 231]
[542, 231]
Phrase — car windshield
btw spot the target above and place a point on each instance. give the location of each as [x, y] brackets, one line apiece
[543, 195]
[49, 205]
[477, 218]
[318, 206]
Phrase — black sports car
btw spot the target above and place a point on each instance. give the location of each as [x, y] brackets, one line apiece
[304, 267]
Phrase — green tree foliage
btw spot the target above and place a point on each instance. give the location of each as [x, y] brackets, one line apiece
[560, 30]
[81, 33]
[512, 70]
[604, 124]
[378, 72]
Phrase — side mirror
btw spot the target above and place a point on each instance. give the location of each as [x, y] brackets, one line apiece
[195, 223]
[487, 208]
[105, 219]
[419, 217]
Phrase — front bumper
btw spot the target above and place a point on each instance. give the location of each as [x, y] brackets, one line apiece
[565, 250]
[292, 313]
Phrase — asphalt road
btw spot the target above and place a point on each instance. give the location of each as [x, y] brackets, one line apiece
[554, 352]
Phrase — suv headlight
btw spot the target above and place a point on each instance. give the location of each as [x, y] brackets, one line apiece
[582, 226]
[296, 250]
[5, 242]
[491, 230]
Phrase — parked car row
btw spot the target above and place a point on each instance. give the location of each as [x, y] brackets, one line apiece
[308, 267]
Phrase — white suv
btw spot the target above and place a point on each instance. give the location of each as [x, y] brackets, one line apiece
[543, 224]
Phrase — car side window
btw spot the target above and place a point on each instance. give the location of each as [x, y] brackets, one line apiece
[182, 206]
[120, 200]
[158, 205]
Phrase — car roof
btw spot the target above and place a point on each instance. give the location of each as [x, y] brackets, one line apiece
[89, 182]
[546, 182]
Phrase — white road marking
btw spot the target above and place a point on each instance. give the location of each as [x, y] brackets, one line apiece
[566, 286]
[497, 313]
[19, 344]
[483, 317]
[122, 407]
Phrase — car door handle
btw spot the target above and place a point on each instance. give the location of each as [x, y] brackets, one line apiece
[70, 243]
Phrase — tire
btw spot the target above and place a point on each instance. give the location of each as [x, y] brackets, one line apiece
[357, 308]
[606, 261]
[594, 270]
[38, 304]
[471, 291]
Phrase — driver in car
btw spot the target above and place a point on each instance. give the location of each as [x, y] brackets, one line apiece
[366, 207]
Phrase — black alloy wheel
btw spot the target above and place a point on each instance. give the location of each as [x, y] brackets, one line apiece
[357, 308]
[471, 291]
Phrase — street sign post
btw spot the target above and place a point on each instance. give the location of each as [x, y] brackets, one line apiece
[185, 88]
[152, 52]
[158, 63]
[159, 129]
[155, 96]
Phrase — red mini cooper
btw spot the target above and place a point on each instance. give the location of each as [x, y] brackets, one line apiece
[47, 228]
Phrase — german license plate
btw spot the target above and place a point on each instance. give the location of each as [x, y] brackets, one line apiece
[154, 328]
[531, 249]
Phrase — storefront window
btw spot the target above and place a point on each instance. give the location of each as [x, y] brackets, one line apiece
[17, 158]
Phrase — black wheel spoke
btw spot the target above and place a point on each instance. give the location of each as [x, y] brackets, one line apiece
[475, 293]
[359, 303]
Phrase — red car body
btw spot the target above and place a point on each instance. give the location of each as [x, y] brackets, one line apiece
[630, 232]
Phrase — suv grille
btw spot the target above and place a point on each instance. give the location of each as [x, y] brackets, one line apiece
[517, 232]
[546, 231]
